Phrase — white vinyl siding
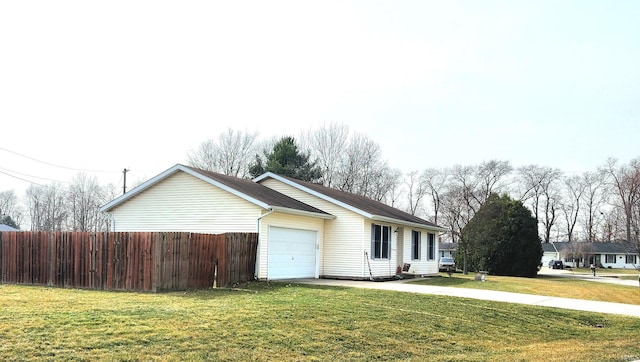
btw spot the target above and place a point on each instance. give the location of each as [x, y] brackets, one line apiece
[382, 268]
[344, 241]
[184, 203]
[619, 261]
[424, 266]
[282, 220]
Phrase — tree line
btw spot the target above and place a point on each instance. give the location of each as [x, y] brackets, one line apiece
[597, 205]
[59, 207]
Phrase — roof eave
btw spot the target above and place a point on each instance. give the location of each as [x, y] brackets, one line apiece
[312, 192]
[407, 223]
[286, 210]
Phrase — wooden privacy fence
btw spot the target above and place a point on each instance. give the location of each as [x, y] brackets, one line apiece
[137, 261]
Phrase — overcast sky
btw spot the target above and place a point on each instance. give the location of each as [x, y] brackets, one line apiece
[106, 85]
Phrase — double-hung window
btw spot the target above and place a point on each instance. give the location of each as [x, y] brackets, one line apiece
[415, 245]
[630, 259]
[380, 241]
[431, 246]
[610, 259]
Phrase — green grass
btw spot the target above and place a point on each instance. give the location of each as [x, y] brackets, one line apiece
[552, 286]
[605, 271]
[285, 322]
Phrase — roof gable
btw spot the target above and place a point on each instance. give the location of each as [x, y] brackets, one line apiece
[359, 204]
[248, 190]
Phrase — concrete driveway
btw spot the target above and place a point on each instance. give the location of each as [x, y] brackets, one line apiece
[529, 299]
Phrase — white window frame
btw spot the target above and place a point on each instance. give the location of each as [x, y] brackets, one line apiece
[384, 252]
[607, 257]
[431, 246]
[631, 259]
[416, 245]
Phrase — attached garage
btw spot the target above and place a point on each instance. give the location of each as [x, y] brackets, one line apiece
[292, 253]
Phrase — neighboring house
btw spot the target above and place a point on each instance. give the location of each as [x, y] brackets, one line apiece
[616, 255]
[549, 252]
[448, 250]
[305, 230]
[4, 227]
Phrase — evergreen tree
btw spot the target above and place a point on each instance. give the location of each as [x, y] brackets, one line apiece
[502, 238]
[285, 159]
[7, 220]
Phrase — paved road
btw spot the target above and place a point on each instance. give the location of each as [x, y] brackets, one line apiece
[539, 300]
[600, 278]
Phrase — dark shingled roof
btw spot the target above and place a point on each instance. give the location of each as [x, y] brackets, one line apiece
[447, 246]
[622, 247]
[258, 191]
[363, 203]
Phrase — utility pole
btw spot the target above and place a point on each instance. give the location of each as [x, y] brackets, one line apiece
[124, 183]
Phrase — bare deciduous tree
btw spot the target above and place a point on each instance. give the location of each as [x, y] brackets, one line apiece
[381, 182]
[84, 198]
[416, 190]
[574, 188]
[539, 188]
[47, 208]
[436, 182]
[327, 145]
[491, 177]
[625, 182]
[10, 207]
[593, 198]
[230, 154]
[361, 163]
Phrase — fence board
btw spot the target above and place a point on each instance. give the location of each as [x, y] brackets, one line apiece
[140, 261]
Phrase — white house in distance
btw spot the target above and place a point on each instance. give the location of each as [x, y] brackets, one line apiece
[304, 230]
[614, 255]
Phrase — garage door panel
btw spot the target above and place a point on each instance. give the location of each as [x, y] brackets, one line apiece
[292, 253]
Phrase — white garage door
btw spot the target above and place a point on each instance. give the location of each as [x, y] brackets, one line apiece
[292, 253]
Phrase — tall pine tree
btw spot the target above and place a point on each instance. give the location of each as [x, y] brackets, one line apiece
[285, 159]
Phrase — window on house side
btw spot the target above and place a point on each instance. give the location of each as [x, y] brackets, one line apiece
[630, 259]
[610, 259]
[380, 241]
[415, 245]
[431, 246]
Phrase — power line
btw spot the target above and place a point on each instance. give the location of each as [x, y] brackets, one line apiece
[20, 178]
[38, 177]
[54, 165]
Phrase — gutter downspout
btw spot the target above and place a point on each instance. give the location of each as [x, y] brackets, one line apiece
[259, 221]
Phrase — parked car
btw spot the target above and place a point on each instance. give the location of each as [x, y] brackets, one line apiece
[556, 264]
[446, 263]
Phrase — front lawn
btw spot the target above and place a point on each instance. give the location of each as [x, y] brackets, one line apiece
[288, 322]
[552, 286]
